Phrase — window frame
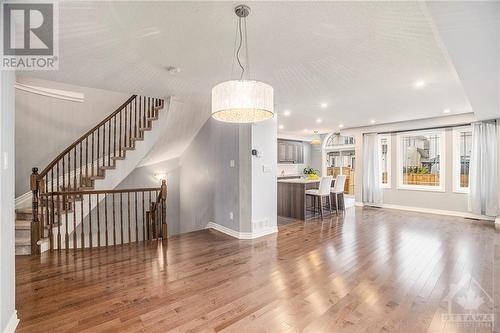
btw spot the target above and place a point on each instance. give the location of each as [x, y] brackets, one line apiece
[442, 161]
[389, 161]
[456, 158]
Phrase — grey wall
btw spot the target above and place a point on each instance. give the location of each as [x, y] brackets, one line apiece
[45, 126]
[209, 186]
[447, 200]
[7, 218]
[145, 177]
[264, 186]
[316, 157]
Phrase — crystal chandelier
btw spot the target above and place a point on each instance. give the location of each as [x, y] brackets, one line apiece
[242, 101]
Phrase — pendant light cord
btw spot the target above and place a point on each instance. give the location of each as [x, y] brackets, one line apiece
[247, 59]
[239, 48]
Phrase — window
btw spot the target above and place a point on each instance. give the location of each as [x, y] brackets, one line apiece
[421, 160]
[339, 140]
[385, 160]
[462, 146]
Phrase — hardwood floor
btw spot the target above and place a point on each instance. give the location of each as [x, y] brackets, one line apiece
[374, 271]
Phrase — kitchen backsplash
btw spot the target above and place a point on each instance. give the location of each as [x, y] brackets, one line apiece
[290, 169]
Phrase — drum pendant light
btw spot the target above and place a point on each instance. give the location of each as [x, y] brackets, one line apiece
[242, 101]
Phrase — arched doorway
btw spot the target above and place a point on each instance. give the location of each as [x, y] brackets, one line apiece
[338, 158]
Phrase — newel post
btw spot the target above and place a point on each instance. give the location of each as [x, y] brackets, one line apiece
[35, 223]
[164, 230]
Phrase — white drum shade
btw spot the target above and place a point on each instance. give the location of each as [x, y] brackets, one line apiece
[242, 101]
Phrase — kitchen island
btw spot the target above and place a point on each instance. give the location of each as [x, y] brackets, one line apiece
[292, 201]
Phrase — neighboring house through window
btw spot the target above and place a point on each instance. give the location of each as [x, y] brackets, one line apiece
[385, 160]
[421, 159]
[462, 146]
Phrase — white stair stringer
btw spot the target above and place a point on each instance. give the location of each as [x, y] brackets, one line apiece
[112, 179]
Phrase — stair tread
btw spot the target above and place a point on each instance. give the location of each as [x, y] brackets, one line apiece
[24, 210]
[118, 158]
[145, 129]
[23, 224]
[23, 241]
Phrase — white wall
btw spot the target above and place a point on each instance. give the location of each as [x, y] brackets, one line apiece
[8, 317]
[497, 221]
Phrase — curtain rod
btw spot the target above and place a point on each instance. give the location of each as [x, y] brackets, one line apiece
[432, 128]
[423, 129]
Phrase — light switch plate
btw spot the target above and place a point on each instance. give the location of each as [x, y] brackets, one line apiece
[266, 169]
[231, 163]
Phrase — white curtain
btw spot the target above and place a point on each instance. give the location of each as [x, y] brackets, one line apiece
[372, 190]
[483, 170]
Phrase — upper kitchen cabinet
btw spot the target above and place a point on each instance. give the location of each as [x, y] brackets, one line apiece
[290, 152]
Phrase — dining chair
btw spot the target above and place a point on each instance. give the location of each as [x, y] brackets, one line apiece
[323, 191]
[338, 188]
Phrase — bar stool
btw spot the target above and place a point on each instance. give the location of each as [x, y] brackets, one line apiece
[338, 188]
[323, 191]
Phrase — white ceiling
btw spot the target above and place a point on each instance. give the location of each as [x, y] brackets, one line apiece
[470, 31]
[361, 58]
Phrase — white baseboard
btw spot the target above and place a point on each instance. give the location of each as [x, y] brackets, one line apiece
[359, 204]
[12, 324]
[241, 235]
[438, 212]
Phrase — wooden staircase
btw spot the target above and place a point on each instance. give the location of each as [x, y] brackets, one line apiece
[23, 231]
[70, 178]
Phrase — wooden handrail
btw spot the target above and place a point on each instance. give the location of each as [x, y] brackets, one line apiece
[83, 137]
[71, 175]
[95, 218]
[142, 189]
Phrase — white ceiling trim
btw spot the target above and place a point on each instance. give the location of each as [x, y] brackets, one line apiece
[53, 93]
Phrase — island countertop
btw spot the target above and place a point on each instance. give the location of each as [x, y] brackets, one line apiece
[299, 181]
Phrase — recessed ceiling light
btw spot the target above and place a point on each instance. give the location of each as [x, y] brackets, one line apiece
[446, 111]
[372, 121]
[319, 120]
[281, 126]
[324, 105]
[419, 84]
[286, 113]
[341, 125]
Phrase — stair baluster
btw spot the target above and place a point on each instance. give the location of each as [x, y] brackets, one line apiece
[70, 176]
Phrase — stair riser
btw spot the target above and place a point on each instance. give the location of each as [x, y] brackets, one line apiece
[24, 216]
[23, 250]
[23, 233]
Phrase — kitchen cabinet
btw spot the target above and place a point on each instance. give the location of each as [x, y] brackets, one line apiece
[290, 152]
